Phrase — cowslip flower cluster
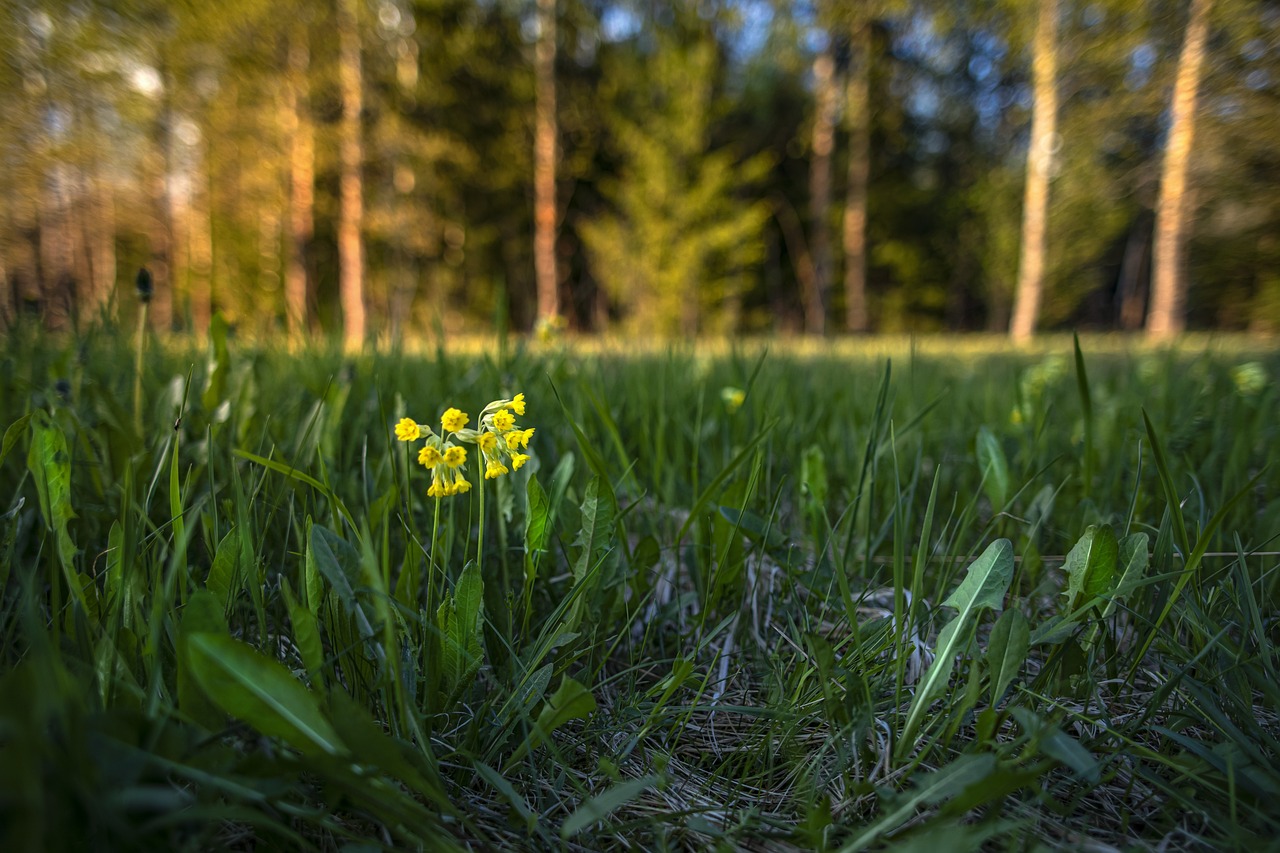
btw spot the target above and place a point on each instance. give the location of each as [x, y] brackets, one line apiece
[497, 436]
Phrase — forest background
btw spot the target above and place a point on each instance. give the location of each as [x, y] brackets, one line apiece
[385, 168]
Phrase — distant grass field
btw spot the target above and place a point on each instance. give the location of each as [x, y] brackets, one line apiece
[933, 594]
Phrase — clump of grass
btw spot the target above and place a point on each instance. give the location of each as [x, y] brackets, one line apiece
[822, 600]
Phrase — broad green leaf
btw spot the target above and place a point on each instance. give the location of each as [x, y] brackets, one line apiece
[987, 580]
[757, 528]
[571, 701]
[371, 744]
[1091, 566]
[1007, 650]
[984, 586]
[50, 466]
[530, 693]
[930, 789]
[224, 574]
[601, 806]
[306, 631]
[459, 621]
[995, 468]
[215, 385]
[203, 614]
[598, 510]
[813, 476]
[1058, 745]
[536, 529]
[338, 561]
[260, 691]
[1134, 559]
[13, 435]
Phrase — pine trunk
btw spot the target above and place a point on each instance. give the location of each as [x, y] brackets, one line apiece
[824, 96]
[1035, 205]
[544, 177]
[351, 218]
[1167, 315]
[298, 130]
[858, 120]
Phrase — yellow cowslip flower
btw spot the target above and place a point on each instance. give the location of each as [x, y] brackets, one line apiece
[486, 441]
[408, 430]
[495, 469]
[732, 398]
[436, 490]
[517, 404]
[453, 420]
[518, 459]
[429, 456]
[503, 420]
[461, 486]
[455, 456]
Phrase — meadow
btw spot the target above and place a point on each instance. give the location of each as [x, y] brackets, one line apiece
[935, 594]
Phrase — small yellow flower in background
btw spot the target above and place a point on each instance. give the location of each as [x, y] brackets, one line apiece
[408, 430]
[518, 459]
[494, 469]
[517, 404]
[1250, 378]
[453, 420]
[504, 420]
[732, 398]
[429, 456]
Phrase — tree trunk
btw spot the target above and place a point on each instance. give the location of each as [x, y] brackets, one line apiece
[160, 233]
[298, 130]
[858, 120]
[200, 238]
[1167, 315]
[824, 117]
[544, 165]
[1035, 205]
[351, 218]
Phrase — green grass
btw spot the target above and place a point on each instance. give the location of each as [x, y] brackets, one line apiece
[941, 594]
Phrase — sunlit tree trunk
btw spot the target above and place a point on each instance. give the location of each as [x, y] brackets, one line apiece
[824, 119]
[1167, 314]
[99, 237]
[858, 120]
[1035, 204]
[544, 165]
[160, 229]
[351, 218]
[301, 218]
[199, 227]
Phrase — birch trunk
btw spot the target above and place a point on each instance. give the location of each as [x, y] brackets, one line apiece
[858, 120]
[544, 166]
[824, 96]
[301, 217]
[351, 218]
